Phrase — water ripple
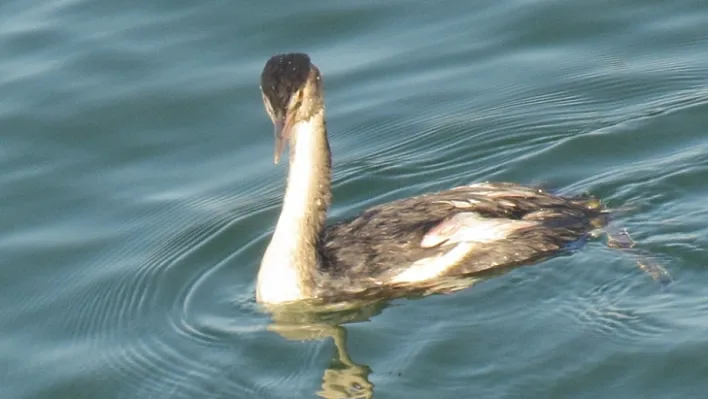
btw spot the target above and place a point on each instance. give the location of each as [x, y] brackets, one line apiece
[604, 311]
[138, 189]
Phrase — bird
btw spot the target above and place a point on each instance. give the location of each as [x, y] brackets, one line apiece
[401, 247]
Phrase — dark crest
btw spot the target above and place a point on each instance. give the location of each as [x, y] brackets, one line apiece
[282, 75]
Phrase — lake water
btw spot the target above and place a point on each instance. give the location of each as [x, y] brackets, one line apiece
[138, 194]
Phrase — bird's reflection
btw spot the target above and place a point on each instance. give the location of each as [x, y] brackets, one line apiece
[344, 378]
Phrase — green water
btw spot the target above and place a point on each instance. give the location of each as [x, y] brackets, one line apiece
[138, 194]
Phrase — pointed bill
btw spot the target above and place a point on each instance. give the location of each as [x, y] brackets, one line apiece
[282, 131]
[279, 142]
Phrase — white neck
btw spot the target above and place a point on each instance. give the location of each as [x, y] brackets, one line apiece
[291, 260]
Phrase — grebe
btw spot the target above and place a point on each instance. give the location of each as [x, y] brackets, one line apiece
[402, 246]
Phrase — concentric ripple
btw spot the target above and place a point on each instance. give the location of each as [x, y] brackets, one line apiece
[144, 319]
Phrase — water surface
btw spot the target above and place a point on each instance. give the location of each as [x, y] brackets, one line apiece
[138, 193]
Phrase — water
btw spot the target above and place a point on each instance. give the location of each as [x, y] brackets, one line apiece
[138, 194]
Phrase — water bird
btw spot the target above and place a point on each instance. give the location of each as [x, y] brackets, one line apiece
[400, 247]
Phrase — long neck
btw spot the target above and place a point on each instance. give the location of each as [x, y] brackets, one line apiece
[291, 261]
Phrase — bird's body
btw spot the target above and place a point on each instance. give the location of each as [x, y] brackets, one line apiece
[409, 243]
[402, 246]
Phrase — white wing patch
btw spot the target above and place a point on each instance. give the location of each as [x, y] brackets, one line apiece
[427, 268]
[471, 227]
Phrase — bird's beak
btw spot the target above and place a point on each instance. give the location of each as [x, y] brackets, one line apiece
[279, 142]
[283, 129]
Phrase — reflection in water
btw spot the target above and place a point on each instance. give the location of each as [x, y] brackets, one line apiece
[311, 320]
[343, 378]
